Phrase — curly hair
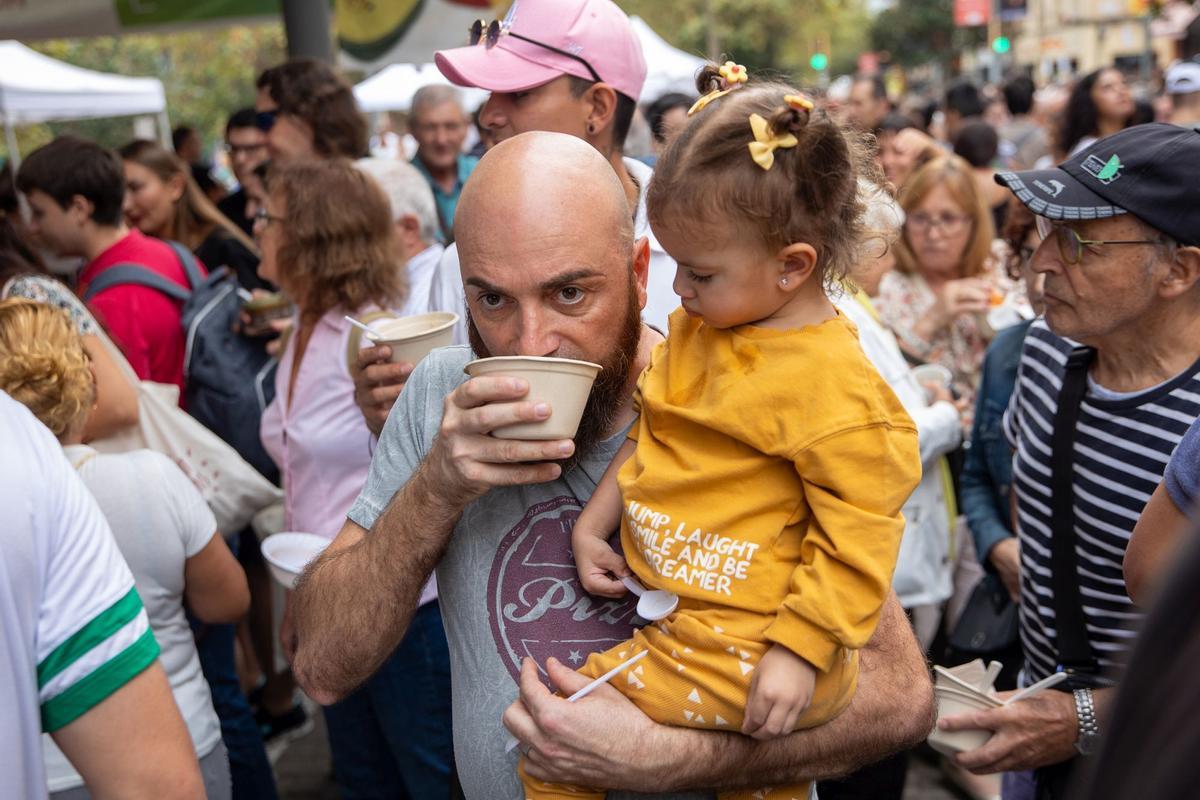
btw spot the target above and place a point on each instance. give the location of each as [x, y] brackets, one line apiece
[43, 364]
[1081, 117]
[707, 180]
[338, 249]
[312, 91]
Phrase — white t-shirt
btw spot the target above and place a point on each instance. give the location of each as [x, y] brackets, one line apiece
[661, 299]
[72, 628]
[159, 520]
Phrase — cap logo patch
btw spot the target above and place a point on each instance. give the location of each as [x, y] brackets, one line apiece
[1104, 171]
[1054, 189]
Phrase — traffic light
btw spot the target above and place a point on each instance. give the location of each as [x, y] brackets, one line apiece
[1001, 45]
[819, 61]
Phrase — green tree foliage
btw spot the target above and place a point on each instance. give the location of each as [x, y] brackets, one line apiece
[915, 31]
[207, 74]
[776, 35]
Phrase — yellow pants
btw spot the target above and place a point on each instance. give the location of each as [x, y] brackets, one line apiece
[698, 675]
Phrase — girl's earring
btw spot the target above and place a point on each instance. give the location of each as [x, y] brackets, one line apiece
[783, 281]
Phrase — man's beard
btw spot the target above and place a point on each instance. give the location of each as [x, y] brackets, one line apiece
[608, 390]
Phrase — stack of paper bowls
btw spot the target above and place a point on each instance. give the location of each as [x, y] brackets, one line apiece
[956, 693]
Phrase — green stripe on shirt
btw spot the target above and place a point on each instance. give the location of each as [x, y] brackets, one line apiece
[104, 625]
[105, 680]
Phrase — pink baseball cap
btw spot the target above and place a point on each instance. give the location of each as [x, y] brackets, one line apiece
[595, 31]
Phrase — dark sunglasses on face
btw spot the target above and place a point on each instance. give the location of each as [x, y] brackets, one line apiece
[265, 120]
[491, 34]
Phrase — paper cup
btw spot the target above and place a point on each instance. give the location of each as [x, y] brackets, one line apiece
[561, 382]
[933, 373]
[266, 308]
[412, 338]
[950, 703]
[288, 553]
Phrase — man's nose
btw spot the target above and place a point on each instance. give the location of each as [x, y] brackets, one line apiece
[1046, 258]
[492, 115]
[537, 337]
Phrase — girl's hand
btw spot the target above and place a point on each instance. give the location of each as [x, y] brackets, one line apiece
[780, 691]
[595, 560]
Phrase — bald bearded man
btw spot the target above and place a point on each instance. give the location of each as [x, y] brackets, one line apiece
[547, 271]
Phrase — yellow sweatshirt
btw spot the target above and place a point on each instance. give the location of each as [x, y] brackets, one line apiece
[769, 474]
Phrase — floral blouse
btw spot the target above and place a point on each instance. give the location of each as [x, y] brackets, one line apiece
[44, 289]
[960, 347]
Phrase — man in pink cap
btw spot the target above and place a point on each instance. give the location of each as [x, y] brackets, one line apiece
[564, 66]
[575, 67]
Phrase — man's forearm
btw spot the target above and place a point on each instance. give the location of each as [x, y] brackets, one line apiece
[352, 608]
[891, 711]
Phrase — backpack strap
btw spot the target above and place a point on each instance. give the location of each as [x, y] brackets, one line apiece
[191, 267]
[1074, 651]
[355, 341]
[135, 275]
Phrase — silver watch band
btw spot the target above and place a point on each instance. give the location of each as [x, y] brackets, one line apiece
[1085, 711]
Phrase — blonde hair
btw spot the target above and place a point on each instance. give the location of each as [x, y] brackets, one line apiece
[956, 175]
[43, 364]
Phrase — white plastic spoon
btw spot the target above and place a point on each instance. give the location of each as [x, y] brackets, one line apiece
[591, 687]
[371, 333]
[653, 604]
[1034, 688]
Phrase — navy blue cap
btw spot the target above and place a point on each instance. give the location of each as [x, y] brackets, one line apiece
[1151, 171]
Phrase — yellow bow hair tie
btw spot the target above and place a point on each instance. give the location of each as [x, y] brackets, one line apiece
[765, 143]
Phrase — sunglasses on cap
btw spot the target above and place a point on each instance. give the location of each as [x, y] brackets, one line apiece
[265, 120]
[491, 33]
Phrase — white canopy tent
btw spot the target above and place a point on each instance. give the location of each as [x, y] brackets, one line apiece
[37, 88]
[667, 70]
[393, 87]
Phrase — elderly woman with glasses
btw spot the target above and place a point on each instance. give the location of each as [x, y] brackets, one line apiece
[947, 274]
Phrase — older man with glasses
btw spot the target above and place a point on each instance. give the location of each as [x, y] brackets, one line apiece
[1109, 382]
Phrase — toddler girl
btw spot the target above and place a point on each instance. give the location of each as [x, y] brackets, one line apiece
[763, 480]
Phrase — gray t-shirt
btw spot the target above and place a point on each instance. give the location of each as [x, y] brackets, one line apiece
[507, 584]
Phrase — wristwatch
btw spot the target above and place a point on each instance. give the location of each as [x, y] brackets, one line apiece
[1089, 732]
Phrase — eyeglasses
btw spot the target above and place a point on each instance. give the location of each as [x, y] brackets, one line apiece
[265, 120]
[1070, 244]
[261, 215]
[236, 150]
[491, 34]
[950, 224]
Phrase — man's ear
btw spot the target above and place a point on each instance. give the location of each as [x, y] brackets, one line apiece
[641, 269]
[797, 262]
[80, 209]
[1183, 273]
[602, 108]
